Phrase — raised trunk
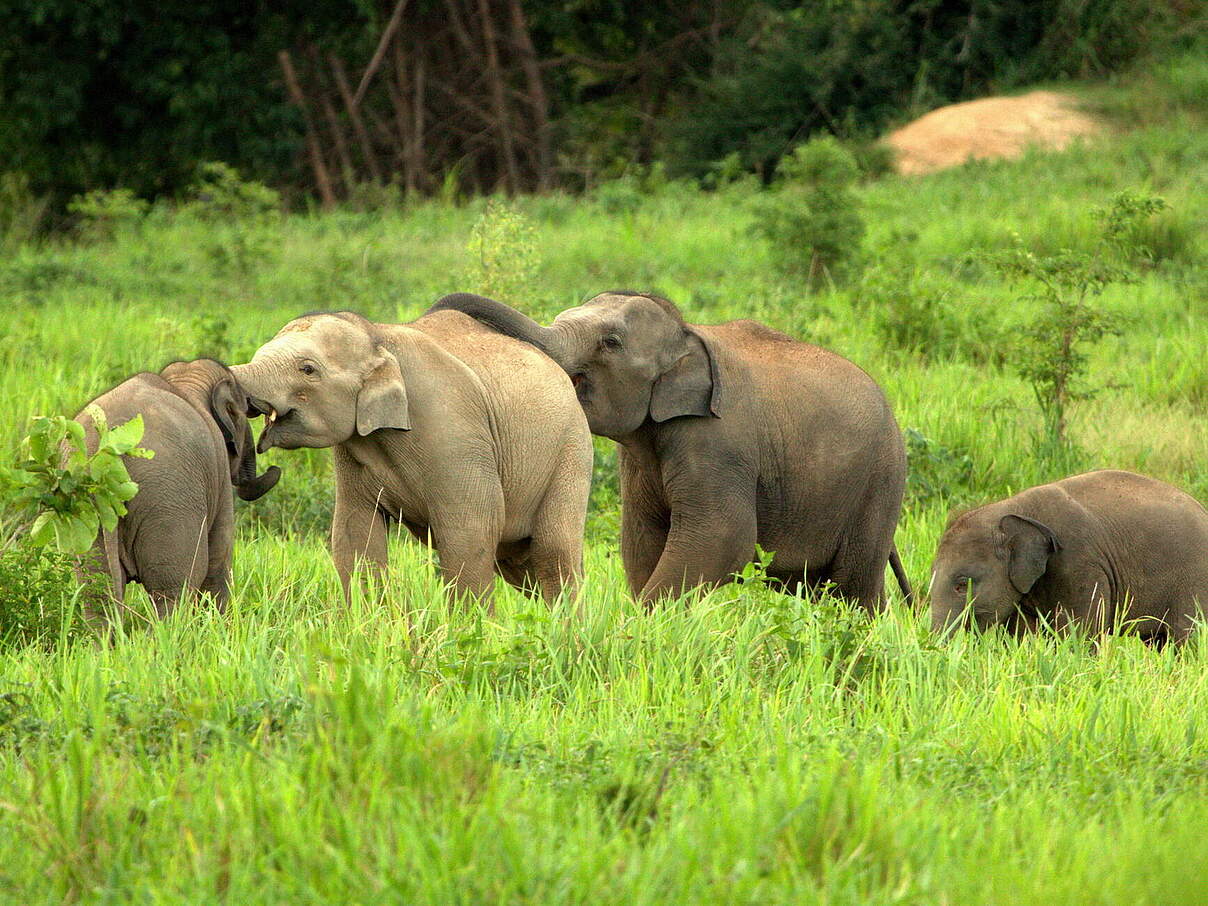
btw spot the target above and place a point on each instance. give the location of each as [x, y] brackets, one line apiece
[506, 320]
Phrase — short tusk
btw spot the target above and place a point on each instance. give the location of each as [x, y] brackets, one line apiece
[272, 416]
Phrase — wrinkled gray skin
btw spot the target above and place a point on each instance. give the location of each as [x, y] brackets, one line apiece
[1072, 551]
[178, 530]
[729, 435]
[461, 435]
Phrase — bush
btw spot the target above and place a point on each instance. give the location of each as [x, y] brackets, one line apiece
[1051, 351]
[39, 596]
[503, 252]
[220, 193]
[811, 218]
[920, 313]
[937, 472]
[21, 210]
[102, 214]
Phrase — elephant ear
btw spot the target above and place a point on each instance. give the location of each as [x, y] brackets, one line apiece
[227, 407]
[382, 400]
[691, 386]
[1028, 546]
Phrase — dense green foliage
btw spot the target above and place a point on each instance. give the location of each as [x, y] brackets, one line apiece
[69, 493]
[744, 747]
[138, 94]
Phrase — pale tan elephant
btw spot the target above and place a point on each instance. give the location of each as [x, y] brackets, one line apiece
[468, 438]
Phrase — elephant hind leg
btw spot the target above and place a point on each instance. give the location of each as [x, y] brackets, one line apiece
[857, 571]
[172, 561]
[221, 542]
[556, 551]
[513, 561]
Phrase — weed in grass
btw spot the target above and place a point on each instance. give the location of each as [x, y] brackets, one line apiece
[812, 218]
[503, 253]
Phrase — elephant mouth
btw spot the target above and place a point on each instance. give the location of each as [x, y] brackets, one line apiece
[273, 421]
[582, 384]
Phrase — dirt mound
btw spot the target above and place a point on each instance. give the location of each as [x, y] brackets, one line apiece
[990, 128]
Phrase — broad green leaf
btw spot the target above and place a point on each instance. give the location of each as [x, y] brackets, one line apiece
[125, 436]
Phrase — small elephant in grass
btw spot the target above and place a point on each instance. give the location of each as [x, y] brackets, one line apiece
[466, 437]
[1077, 551]
[729, 435]
[178, 530]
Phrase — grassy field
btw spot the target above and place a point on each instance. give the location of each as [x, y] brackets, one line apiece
[745, 747]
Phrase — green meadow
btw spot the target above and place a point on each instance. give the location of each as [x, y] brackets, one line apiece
[739, 746]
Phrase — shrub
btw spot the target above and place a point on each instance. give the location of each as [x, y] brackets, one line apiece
[39, 595]
[220, 193]
[240, 210]
[1051, 351]
[503, 252]
[936, 472]
[1134, 228]
[21, 210]
[102, 214]
[811, 218]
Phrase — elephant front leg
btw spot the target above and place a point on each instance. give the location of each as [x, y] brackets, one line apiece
[466, 539]
[645, 520]
[643, 539]
[705, 546]
[358, 538]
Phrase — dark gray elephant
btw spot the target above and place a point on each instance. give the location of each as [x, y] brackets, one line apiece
[729, 436]
[178, 530]
[1078, 550]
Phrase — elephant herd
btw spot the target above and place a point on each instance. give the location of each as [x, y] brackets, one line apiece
[472, 427]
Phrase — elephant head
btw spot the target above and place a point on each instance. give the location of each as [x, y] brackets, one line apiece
[629, 355]
[217, 390]
[323, 379]
[986, 562]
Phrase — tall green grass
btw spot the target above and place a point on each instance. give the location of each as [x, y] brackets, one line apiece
[743, 747]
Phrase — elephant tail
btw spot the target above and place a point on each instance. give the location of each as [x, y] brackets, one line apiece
[899, 573]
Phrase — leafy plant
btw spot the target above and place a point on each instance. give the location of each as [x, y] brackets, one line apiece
[1051, 350]
[1129, 227]
[103, 213]
[503, 252]
[812, 219]
[937, 472]
[21, 210]
[69, 493]
[220, 193]
[38, 595]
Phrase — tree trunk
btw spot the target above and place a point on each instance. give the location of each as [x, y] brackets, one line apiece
[354, 116]
[314, 152]
[537, 97]
[498, 98]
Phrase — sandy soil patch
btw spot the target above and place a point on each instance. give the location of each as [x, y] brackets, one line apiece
[989, 128]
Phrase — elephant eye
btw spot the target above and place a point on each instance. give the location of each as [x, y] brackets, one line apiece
[961, 584]
[307, 369]
[612, 341]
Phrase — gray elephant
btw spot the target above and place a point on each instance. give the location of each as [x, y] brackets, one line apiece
[729, 436]
[1103, 549]
[467, 438]
[178, 530]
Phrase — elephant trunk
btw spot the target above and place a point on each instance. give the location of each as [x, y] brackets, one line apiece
[256, 486]
[260, 380]
[506, 320]
[249, 485]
